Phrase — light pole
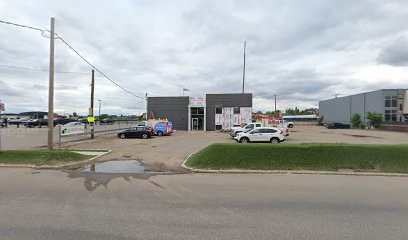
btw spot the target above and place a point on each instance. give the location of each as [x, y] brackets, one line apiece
[99, 115]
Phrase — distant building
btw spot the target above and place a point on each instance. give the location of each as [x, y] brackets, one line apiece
[215, 112]
[391, 103]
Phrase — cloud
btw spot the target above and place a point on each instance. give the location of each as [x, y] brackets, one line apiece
[305, 51]
[395, 53]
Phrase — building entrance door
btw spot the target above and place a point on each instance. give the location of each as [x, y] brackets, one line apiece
[194, 124]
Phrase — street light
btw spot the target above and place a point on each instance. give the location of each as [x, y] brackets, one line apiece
[185, 90]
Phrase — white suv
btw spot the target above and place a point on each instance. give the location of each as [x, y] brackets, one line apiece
[261, 134]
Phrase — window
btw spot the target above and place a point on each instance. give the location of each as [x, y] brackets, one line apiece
[237, 110]
[387, 101]
[268, 130]
[394, 102]
[390, 101]
[218, 127]
[400, 106]
[256, 131]
[390, 115]
[218, 110]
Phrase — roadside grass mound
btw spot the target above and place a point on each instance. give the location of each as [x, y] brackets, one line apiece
[40, 157]
[319, 157]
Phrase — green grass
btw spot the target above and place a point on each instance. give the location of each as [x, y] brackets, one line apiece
[328, 157]
[40, 157]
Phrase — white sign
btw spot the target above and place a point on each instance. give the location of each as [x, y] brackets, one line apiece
[70, 130]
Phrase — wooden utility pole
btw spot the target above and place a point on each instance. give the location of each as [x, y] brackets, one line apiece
[51, 89]
[243, 71]
[91, 112]
[275, 102]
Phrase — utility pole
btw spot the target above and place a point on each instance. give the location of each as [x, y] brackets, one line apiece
[92, 103]
[99, 115]
[146, 107]
[51, 89]
[275, 102]
[243, 71]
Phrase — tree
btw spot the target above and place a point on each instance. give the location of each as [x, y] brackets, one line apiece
[74, 114]
[374, 119]
[355, 120]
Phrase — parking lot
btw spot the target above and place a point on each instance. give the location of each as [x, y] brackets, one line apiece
[168, 152]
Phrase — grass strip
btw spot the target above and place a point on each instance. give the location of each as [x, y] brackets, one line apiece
[323, 157]
[40, 157]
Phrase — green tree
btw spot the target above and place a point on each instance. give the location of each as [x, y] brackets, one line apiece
[355, 120]
[374, 119]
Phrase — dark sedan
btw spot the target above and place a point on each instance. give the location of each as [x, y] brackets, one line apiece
[135, 132]
[338, 126]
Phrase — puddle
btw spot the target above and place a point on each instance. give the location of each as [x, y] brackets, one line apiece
[116, 166]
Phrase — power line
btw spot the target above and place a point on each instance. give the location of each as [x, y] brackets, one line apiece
[37, 69]
[21, 25]
[75, 51]
[94, 67]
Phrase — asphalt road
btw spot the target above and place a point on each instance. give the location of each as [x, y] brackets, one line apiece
[70, 205]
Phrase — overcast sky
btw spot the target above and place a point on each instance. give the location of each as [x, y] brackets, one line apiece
[305, 50]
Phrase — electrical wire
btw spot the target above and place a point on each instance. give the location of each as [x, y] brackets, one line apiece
[21, 25]
[96, 69]
[43, 32]
[37, 69]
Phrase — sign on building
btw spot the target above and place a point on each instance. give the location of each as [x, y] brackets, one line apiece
[70, 130]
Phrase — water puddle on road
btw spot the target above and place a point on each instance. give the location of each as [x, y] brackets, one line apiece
[116, 166]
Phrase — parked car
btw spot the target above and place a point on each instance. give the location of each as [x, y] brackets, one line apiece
[289, 124]
[74, 124]
[107, 121]
[39, 122]
[62, 121]
[136, 132]
[250, 126]
[338, 126]
[261, 134]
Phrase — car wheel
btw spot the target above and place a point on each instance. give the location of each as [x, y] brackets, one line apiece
[244, 140]
[144, 136]
[159, 133]
[122, 136]
[290, 126]
[275, 140]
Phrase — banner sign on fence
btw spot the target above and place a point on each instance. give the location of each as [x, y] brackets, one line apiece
[69, 130]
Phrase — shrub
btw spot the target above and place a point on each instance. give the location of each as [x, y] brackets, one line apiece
[320, 121]
[355, 120]
[362, 126]
[374, 119]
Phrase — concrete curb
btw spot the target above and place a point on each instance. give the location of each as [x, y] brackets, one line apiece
[69, 164]
[299, 172]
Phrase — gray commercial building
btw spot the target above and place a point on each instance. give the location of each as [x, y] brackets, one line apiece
[391, 103]
[215, 112]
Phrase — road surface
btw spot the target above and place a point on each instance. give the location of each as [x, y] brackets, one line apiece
[71, 205]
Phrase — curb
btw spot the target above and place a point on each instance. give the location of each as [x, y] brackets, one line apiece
[298, 172]
[53, 166]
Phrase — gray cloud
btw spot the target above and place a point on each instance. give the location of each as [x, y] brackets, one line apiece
[307, 51]
[395, 53]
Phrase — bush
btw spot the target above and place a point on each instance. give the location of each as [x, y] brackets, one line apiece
[374, 119]
[355, 120]
[363, 126]
[320, 121]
